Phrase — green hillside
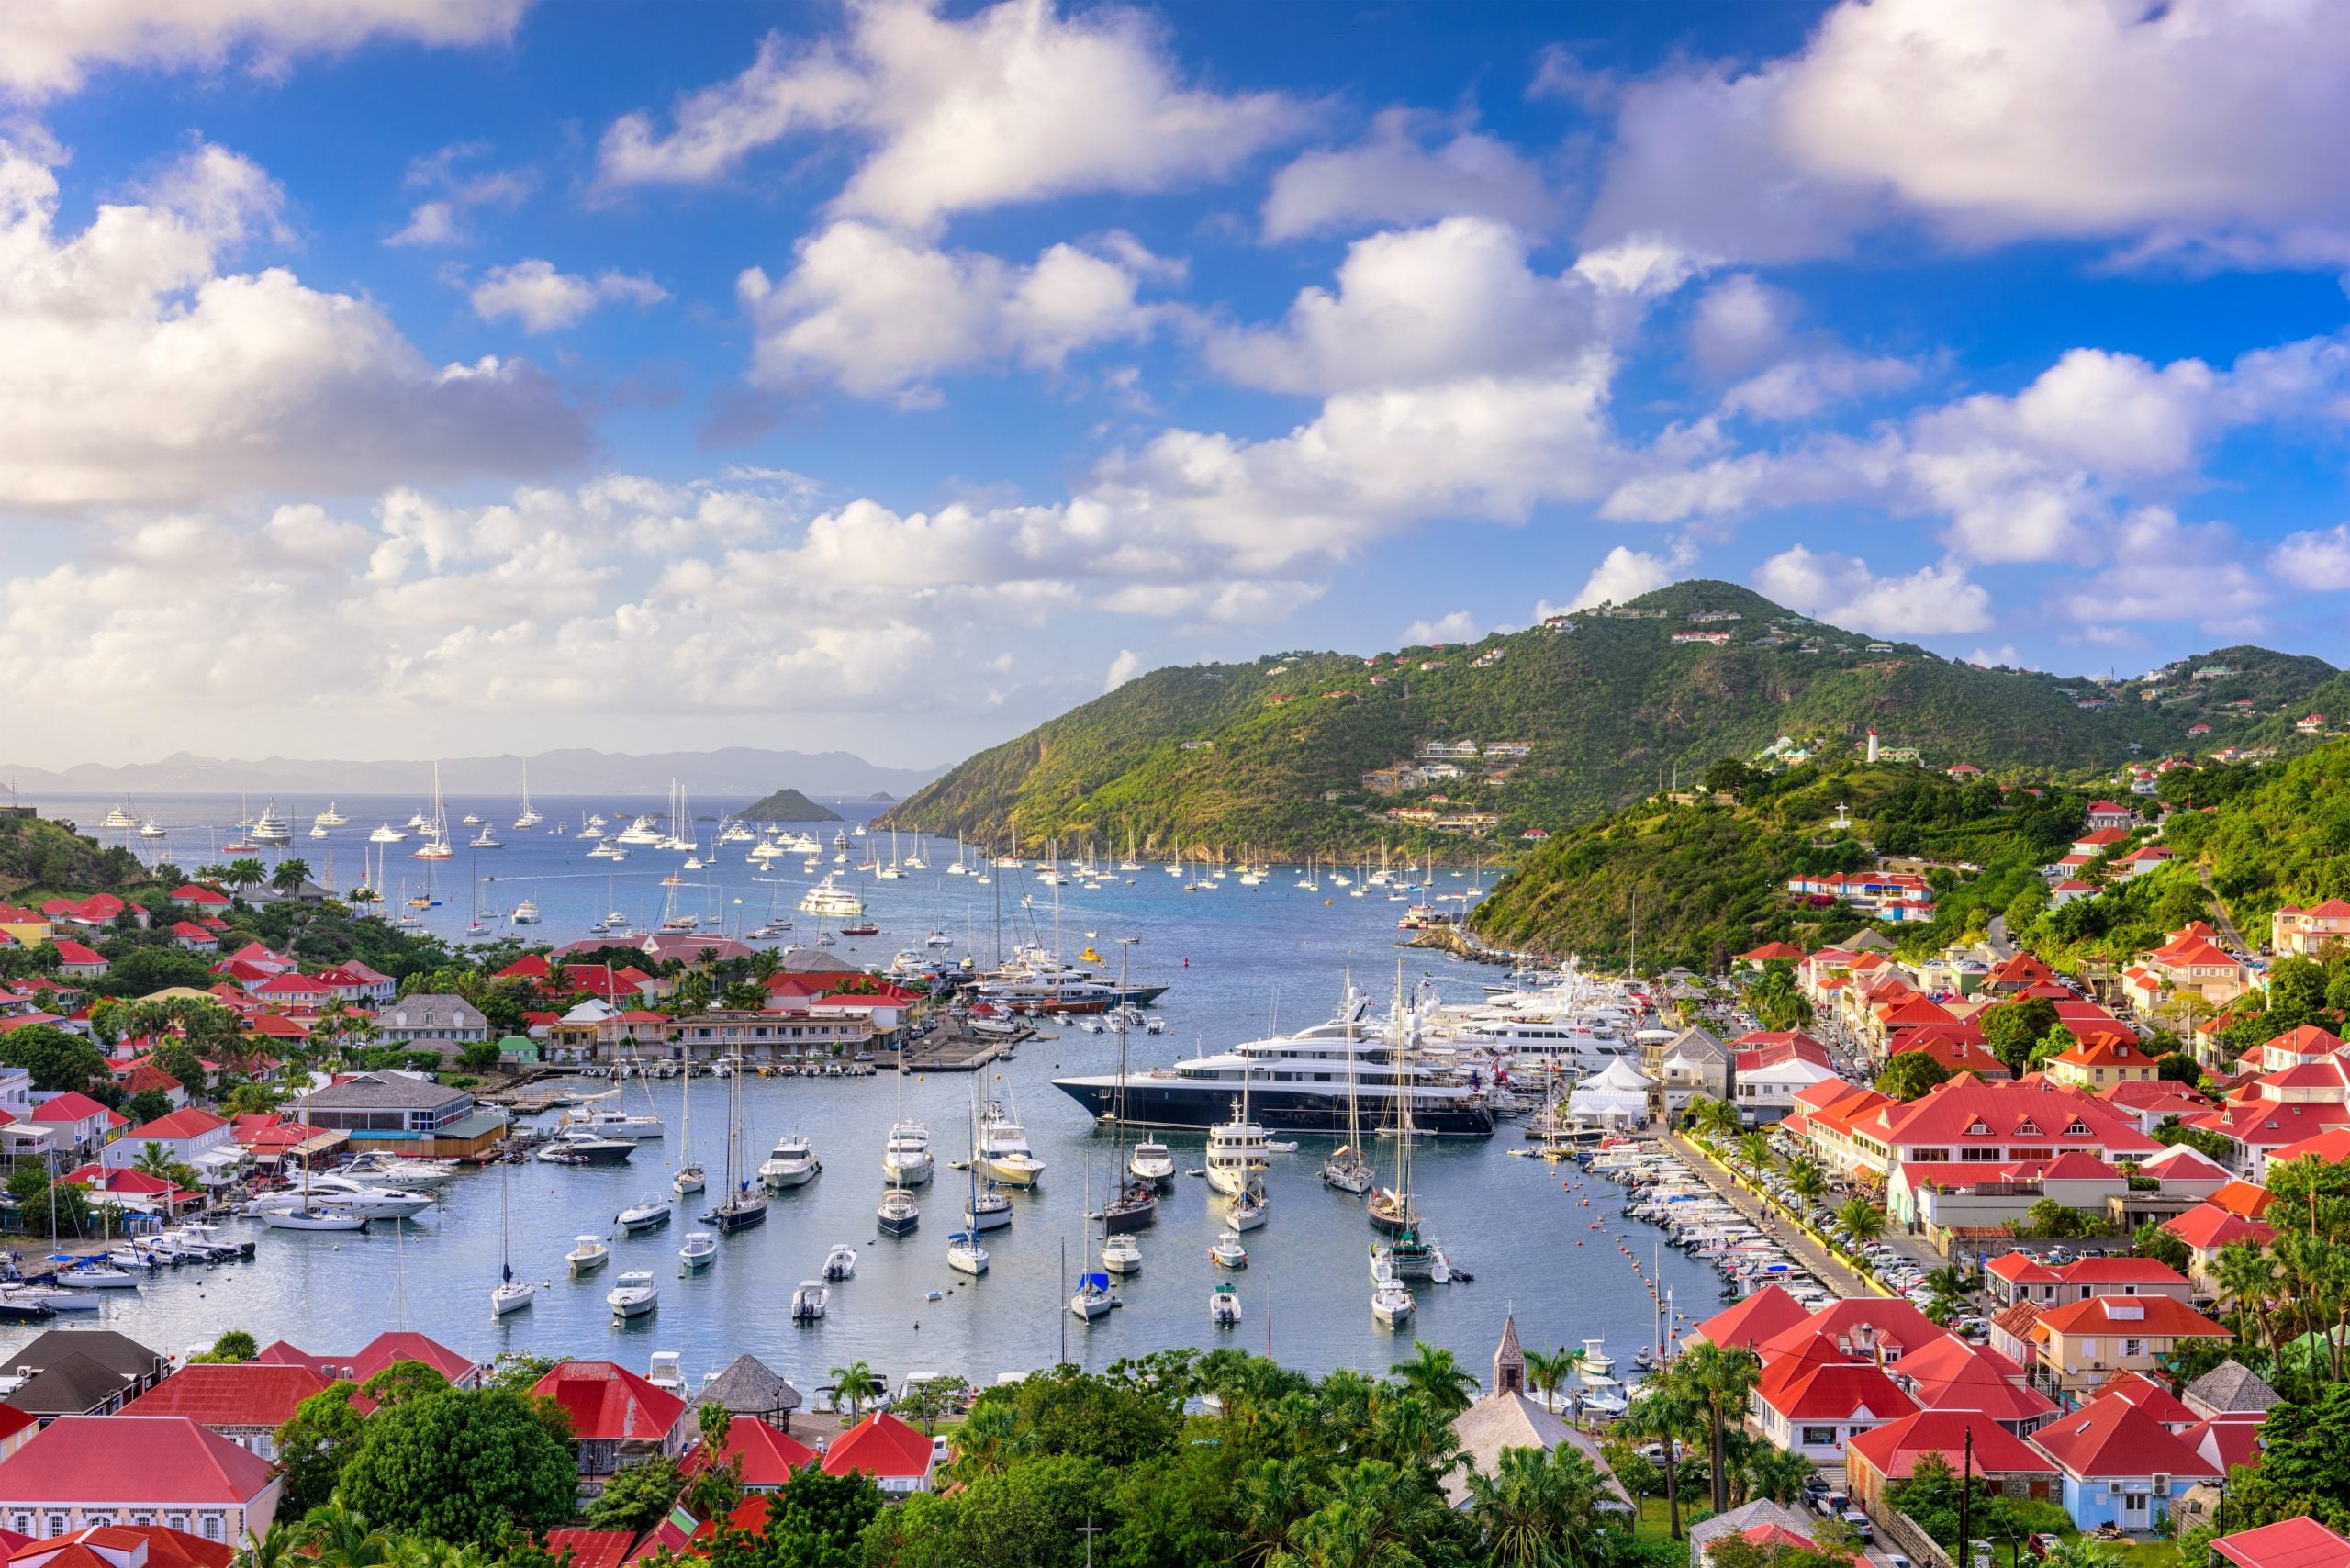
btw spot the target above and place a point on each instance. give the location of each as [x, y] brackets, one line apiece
[1272, 755]
[787, 806]
[52, 855]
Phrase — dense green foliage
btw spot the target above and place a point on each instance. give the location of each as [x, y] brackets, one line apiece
[463, 1465]
[787, 806]
[38, 854]
[1224, 756]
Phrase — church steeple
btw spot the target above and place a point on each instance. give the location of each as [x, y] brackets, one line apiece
[1509, 1361]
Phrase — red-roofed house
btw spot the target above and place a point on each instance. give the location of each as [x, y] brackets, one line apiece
[80, 1123]
[139, 1074]
[384, 1349]
[2080, 1344]
[288, 990]
[119, 1546]
[2206, 1229]
[165, 1470]
[2148, 1100]
[194, 938]
[2110, 816]
[1949, 1045]
[2193, 966]
[2102, 1060]
[1753, 1321]
[245, 1403]
[2019, 1276]
[1771, 952]
[1876, 1458]
[1949, 1373]
[2256, 1127]
[190, 1136]
[80, 961]
[192, 895]
[2289, 1543]
[2295, 930]
[2120, 1465]
[618, 1419]
[1814, 1407]
[598, 1548]
[134, 1192]
[768, 1456]
[898, 1459]
[1768, 1070]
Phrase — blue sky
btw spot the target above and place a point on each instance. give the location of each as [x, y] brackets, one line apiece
[417, 377]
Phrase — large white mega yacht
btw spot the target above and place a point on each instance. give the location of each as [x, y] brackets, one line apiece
[1302, 1081]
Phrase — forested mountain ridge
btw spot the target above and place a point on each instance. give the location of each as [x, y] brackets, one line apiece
[1610, 703]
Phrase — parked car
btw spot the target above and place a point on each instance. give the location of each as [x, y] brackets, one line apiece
[1860, 1523]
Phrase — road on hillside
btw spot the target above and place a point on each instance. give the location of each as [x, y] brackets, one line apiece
[2220, 918]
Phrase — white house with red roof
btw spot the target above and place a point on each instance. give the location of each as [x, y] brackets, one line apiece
[2149, 1101]
[141, 1469]
[189, 1136]
[1769, 1068]
[1949, 1373]
[2206, 1229]
[357, 984]
[383, 1350]
[2138, 862]
[197, 896]
[77, 1123]
[2110, 815]
[900, 1459]
[1964, 1120]
[79, 960]
[290, 990]
[2293, 929]
[1814, 1398]
[191, 938]
[2019, 1276]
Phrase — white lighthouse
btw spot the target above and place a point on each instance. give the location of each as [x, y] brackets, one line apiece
[1872, 745]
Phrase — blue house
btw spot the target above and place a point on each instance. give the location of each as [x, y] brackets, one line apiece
[2120, 1465]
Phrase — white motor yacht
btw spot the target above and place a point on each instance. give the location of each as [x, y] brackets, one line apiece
[386, 834]
[829, 898]
[588, 1254]
[339, 1193]
[1391, 1303]
[905, 1158]
[1004, 1151]
[648, 1213]
[793, 1163]
[1121, 1256]
[634, 1293]
[332, 817]
[808, 1303]
[306, 1216]
[1151, 1162]
[380, 1169]
[1235, 1159]
[700, 1249]
[599, 1118]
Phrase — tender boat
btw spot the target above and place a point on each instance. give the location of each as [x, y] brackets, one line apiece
[588, 1254]
[648, 1213]
[898, 1213]
[1151, 1162]
[700, 1249]
[965, 1255]
[634, 1293]
[840, 1263]
[1391, 1303]
[793, 1163]
[586, 1148]
[1228, 1252]
[808, 1303]
[1223, 1307]
[1121, 1256]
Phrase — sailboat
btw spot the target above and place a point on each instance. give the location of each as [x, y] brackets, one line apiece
[510, 1294]
[691, 1178]
[527, 817]
[1133, 1199]
[1346, 1169]
[745, 1205]
[1410, 1255]
[436, 846]
[964, 1253]
[1093, 1297]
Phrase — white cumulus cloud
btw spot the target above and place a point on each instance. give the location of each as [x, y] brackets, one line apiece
[1395, 176]
[1014, 103]
[1623, 575]
[1459, 626]
[137, 368]
[1124, 668]
[545, 300]
[1933, 601]
[2315, 560]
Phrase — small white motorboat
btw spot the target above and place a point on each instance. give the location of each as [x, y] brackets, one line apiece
[793, 1163]
[700, 1249]
[1391, 1303]
[588, 1254]
[840, 1263]
[965, 1255]
[131, 1255]
[1227, 1253]
[634, 1293]
[1223, 1307]
[808, 1303]
[649, 1213]
[1121, 1256]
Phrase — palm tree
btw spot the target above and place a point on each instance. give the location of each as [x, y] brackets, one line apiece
[1775, 1473]
[1947, 1290]
[853, 1386]
[246, 874]
[291, 873]
[1862, 1218]
[1540, 1509]
[986, 1441]
[1716, 1118]
[1662, 1415]
[1755, 1148]
[1806, 1177]
[2247, 1279]
[1275, 1496]
[1438, 1377]
[1548, 1370]
[339, 1537]
[1717, 1379]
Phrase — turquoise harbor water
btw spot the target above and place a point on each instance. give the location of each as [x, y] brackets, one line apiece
[1236, 960]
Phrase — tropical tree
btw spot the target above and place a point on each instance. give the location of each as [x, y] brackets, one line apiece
[463, 1465]
[1435, 1375]
[1541, 1508]
[334, 1535]
[156, 1161]
[290, 874]
[233, 1347]
[1862, 1218]
[1548, 1370]
[1947, 1289]
[246, 874]
[1664, 1414]
[1806, 1177]
[1775, 1473]
[2248, 1281]
[1755, 1147]
[1716, 1379]
[853, 1386]
[1776, 1000]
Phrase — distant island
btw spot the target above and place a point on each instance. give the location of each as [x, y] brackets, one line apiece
[880, 798]
[787, 806]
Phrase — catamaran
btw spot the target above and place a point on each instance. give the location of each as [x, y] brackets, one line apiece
[527, 817]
